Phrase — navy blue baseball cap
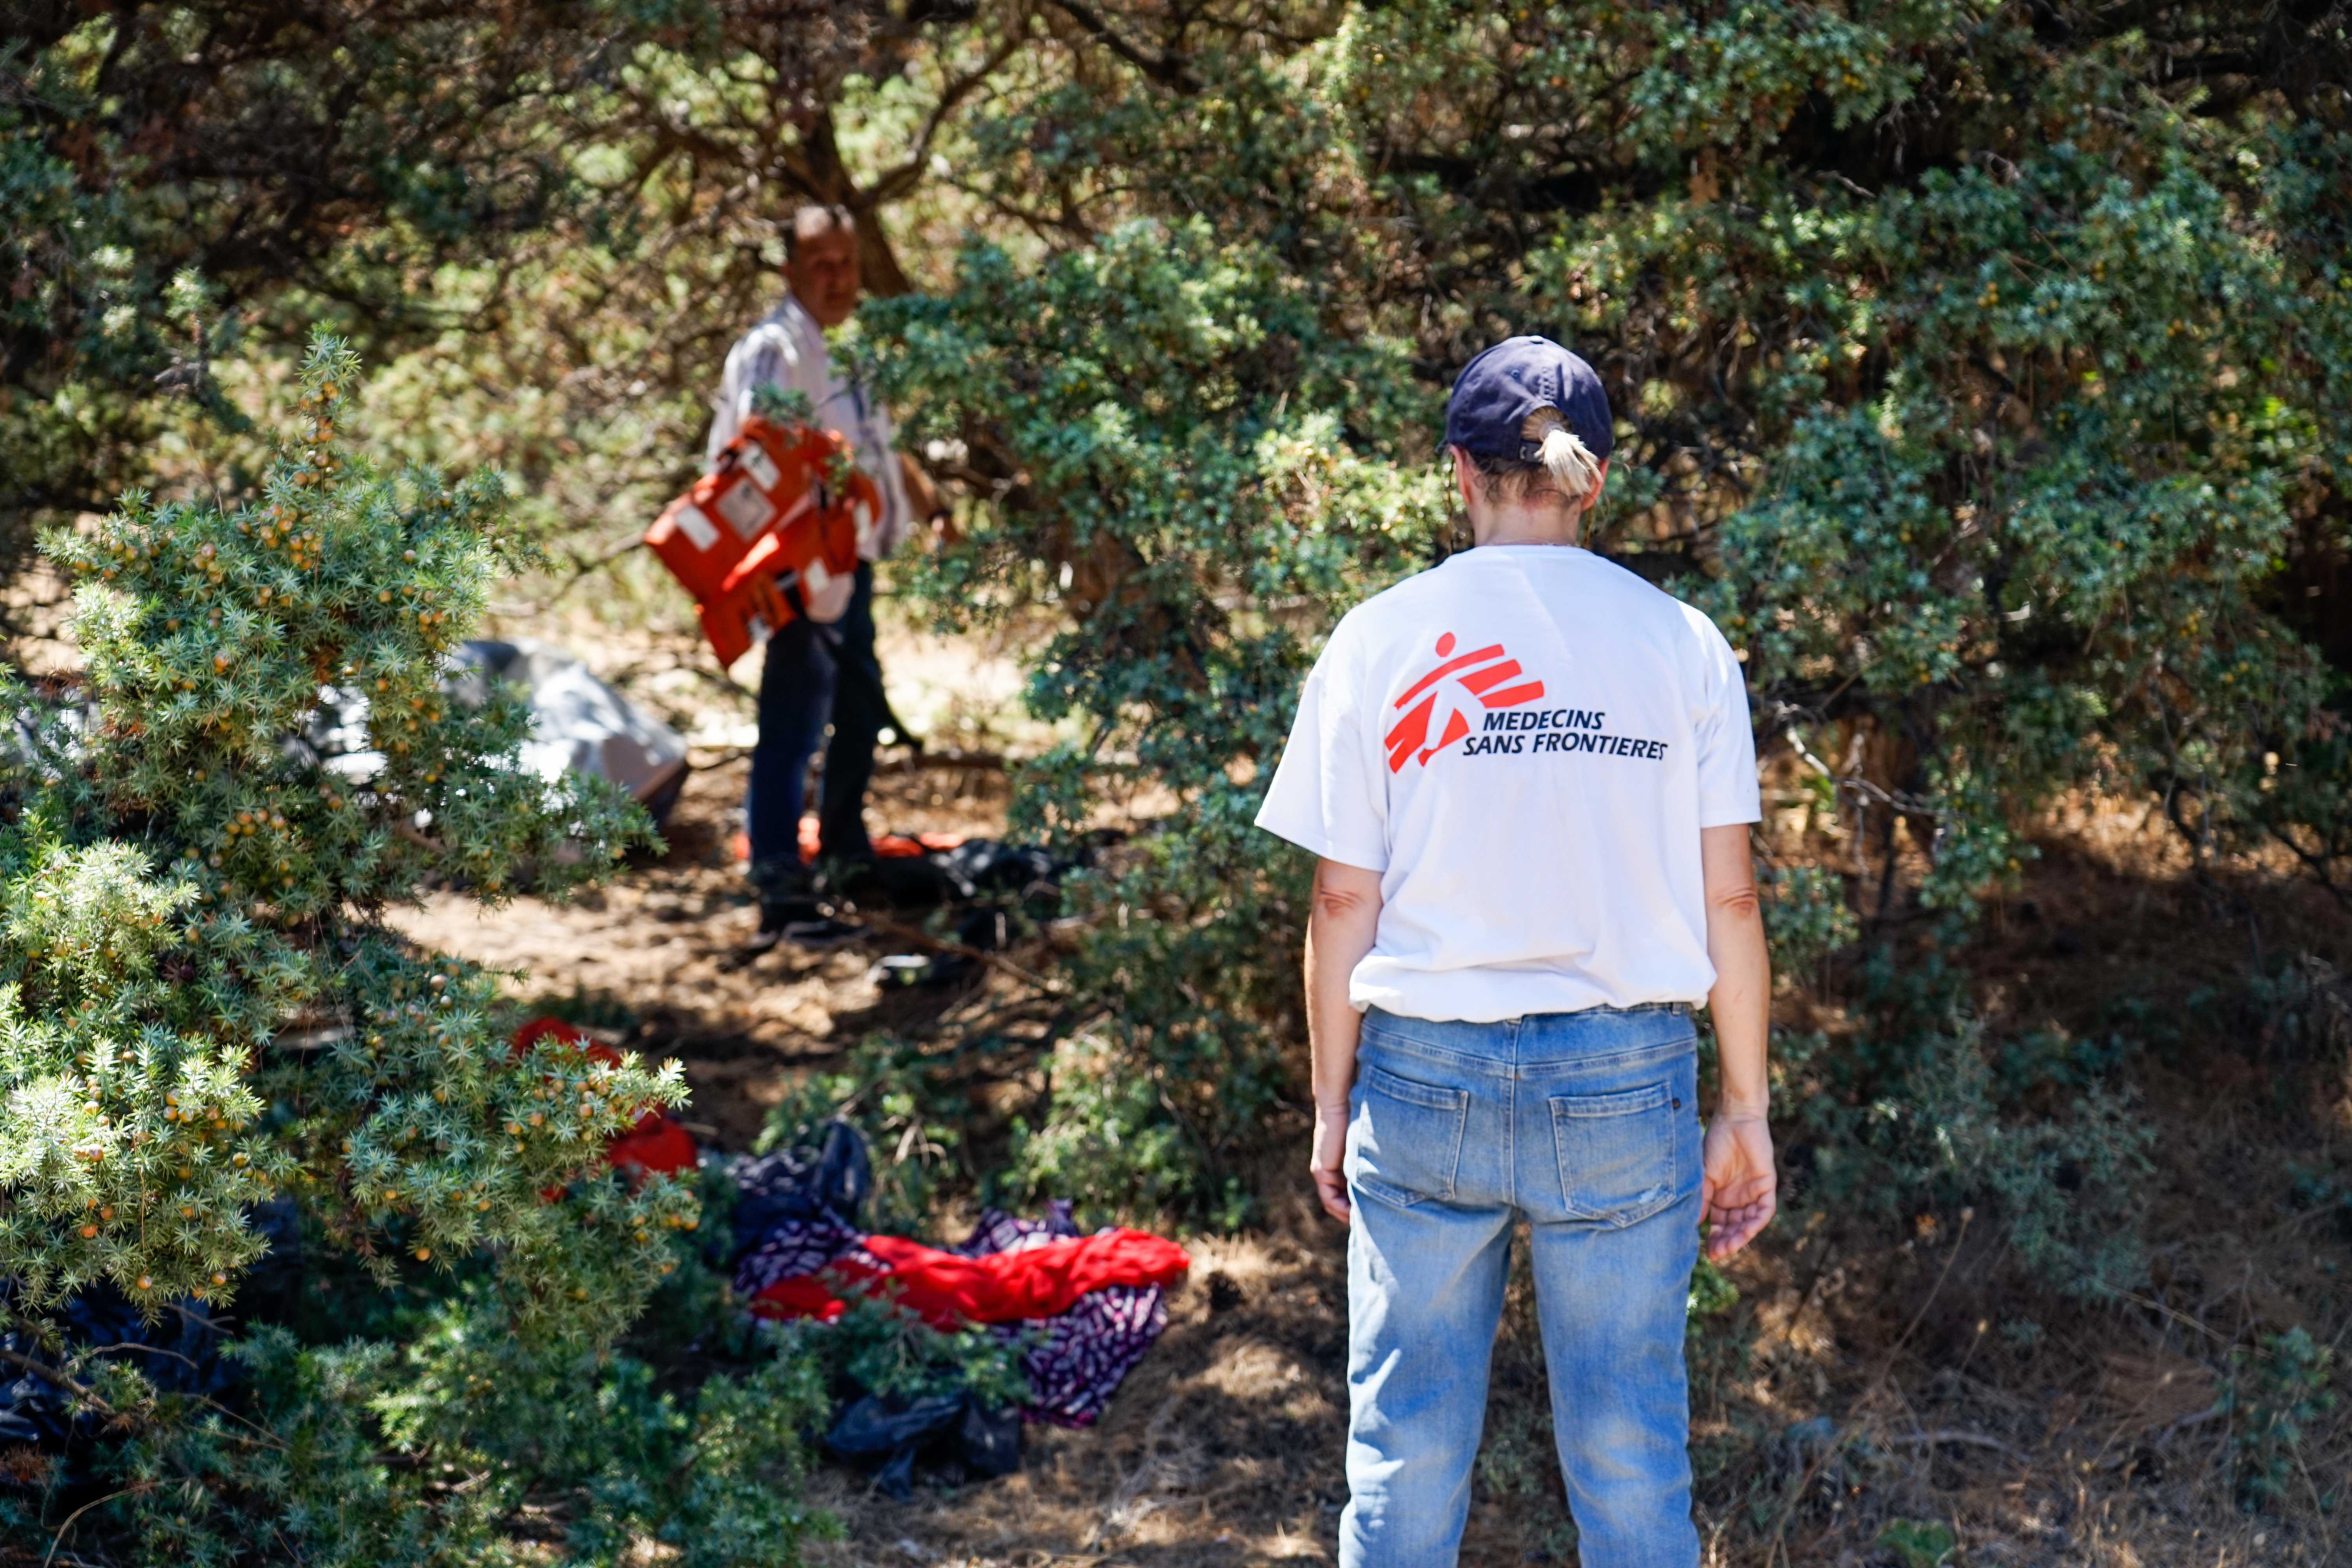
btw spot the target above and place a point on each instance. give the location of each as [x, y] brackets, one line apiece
[1496, 390]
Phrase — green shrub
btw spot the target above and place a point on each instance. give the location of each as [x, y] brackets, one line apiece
[188, 878]
[1990, 465]
[201, 1008]
[1188, 426]
[2274, 1395]
[420, 1454]
[878, 1346]
[2074, 1192]
[1806, 918]
[1108, 1141]
[1917, 1117]
[909, 1105]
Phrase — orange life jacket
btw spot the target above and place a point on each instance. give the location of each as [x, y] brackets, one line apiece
[775, 523]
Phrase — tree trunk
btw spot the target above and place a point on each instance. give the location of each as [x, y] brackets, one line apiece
[826, 178]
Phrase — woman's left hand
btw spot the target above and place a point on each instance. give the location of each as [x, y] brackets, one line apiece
[1324, 1162]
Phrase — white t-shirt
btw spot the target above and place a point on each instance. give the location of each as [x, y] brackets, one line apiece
[787, 350]
[1525, 742]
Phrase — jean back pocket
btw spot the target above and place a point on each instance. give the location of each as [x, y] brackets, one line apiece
[1405, 1143]
[1617, 1152]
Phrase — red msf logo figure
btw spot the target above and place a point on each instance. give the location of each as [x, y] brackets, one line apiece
[1458, 681]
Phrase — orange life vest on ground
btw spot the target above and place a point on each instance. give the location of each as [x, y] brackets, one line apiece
[770, 528]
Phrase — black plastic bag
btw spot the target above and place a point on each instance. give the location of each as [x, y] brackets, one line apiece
[887, 1435]
[897, 882]
[179, 1352]
[832, 1181]
[988, 1442]
[977, 868]
[988, 866]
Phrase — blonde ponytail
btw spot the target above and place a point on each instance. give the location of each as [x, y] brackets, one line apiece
[1574, 470]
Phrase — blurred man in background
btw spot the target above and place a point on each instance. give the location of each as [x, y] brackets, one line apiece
[819, 674]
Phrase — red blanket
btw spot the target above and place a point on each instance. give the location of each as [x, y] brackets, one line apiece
[946, 1288]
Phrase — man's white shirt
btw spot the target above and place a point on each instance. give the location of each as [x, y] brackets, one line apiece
[787, 350]
[1525, 744]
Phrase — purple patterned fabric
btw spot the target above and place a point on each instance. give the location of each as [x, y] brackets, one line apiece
[1088, 1351]
[1076, 1360]
[794, 1249]
[999, 1232]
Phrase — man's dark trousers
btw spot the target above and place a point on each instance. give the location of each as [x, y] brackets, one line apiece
[814, 674]
[860, 712]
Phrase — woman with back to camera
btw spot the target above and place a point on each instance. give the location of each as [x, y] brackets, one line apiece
[1528, 778]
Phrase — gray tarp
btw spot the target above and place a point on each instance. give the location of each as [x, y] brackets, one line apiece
[578, 723]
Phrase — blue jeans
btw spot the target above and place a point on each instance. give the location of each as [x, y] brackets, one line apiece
[1586, 1125]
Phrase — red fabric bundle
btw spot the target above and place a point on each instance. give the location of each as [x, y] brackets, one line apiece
[659, 1141]
[889, 845]
[946, 1288]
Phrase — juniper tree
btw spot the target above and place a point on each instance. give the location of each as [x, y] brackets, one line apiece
[199, 1002]
[168, 175]
[1989, 389]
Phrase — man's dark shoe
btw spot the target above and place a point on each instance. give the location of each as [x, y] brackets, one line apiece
[778, 913]
[789, 909]
[823, 935]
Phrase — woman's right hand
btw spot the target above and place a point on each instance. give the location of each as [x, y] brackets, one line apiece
[1324, 1162]
[1740, 1190]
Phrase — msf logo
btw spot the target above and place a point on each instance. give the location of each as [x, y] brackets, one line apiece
[1443, 711]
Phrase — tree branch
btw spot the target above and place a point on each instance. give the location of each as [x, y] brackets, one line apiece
[895, 183]
[1170, 70]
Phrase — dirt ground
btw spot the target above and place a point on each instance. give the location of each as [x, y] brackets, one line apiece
[1865, 1377]
[1221, 1448]
[663, 947]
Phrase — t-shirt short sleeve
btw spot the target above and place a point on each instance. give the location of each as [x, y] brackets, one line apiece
[1328, 795]
[1727, 790]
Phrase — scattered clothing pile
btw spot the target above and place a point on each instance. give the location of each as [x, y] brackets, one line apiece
[1008, 1271]
[989, 881]
[1088, 1306]
[907, 875]
[1084, 1352]
[1084, 1308]
[1081, 1308]
[935, 868]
